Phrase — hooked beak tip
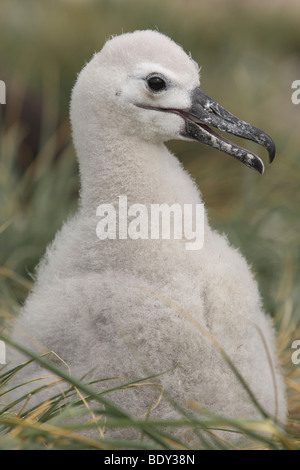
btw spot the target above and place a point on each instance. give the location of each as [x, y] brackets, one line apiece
[205, 112]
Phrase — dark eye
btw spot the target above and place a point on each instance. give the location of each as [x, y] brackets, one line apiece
[156, 83]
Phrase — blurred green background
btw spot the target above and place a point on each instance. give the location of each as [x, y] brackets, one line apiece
[250, 55]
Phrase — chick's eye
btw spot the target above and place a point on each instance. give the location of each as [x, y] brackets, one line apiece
[156, 83]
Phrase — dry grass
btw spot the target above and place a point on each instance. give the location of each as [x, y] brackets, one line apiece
[247, 68]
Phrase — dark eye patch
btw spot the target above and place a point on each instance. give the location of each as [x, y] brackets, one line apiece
[156, 83]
